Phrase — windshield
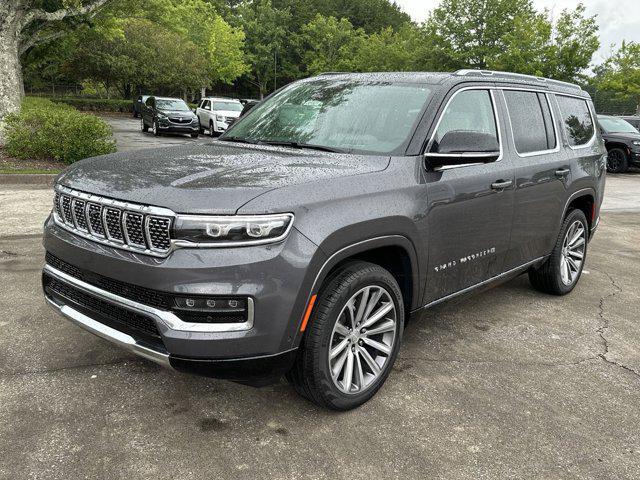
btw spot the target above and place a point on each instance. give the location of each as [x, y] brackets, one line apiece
[616, 125]
[176, 105]
[228, 106]
[345, 115]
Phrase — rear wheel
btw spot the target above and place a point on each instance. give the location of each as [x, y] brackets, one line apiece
[617, 161]
[562, 270]
[352, 339]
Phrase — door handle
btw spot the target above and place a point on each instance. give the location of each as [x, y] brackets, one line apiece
[501, 184]
[563, 172]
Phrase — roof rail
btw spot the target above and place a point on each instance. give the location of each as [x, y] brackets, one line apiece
[330, 73]
[515, 76]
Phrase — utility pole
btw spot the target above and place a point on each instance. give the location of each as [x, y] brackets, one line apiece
[275, 69]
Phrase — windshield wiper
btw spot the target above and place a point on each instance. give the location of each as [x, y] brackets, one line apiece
[241, 140]
[309, 146]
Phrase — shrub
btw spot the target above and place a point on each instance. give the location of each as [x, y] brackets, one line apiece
[97, 104]
[44, 130]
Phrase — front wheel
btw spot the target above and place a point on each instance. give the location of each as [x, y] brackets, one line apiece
[617, 161]
[195, 135]
[562, 270]
[143, 126]
[155, 129]
[212, 132]
[352, 338]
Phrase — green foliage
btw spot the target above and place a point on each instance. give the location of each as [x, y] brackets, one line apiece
[97, 104]
[618, 80]
[266, 30]
[45, 130]
[329, 44]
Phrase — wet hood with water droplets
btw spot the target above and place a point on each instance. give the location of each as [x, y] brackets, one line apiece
[210, 178]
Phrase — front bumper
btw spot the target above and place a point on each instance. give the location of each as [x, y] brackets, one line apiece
[167, 126]
[277, 279]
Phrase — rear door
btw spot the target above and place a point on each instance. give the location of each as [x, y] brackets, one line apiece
[470, 207]
[542, 173]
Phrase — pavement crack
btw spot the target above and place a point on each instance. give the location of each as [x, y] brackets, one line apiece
[605, 323]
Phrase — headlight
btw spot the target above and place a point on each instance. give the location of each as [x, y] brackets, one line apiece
[219, 118]
[231, 230]
[636, 143]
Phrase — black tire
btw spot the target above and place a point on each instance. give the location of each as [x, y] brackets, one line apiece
[311, 376]
[145, 129]
[212, 132]
[617, 161]
[135, 114]
[156, 130]
[195, 135]
[547, 277]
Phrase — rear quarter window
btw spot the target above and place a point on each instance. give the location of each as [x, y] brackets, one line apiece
[577, 120]
[531, 121]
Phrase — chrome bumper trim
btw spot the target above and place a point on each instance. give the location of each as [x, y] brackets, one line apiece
[169, 320]
[103, 331]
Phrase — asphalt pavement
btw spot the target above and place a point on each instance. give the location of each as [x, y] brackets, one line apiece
[509, 383]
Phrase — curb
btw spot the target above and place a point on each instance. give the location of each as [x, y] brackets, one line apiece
[45, 179]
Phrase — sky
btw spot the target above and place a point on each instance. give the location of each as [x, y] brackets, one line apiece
[618, 19]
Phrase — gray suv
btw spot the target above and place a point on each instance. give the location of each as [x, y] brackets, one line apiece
[305, 238]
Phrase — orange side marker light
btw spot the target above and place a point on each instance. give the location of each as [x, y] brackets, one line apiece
[307, 314]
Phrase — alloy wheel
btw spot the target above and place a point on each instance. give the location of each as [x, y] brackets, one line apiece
[362, 339]
[573, 248]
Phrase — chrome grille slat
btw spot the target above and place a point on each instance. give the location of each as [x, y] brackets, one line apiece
[79, 217]
[132, 227]
[112, 219]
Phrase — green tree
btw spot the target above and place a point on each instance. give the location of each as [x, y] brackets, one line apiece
[329, 44]
[267, 41]
[391, 50]
[469, 33]
[619, 76]
[25, 24]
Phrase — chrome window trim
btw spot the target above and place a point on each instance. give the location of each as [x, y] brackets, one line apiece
[491, 90]
[590, 143]
[553, 120]
[169, 319]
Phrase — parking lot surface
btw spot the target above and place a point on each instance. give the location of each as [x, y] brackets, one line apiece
[129, 136]
[509, 383]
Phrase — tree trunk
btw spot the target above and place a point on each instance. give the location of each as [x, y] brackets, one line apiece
[11, 87]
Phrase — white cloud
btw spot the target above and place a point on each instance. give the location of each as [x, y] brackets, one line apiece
[618, 19]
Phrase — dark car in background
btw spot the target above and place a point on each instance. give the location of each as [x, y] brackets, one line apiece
[138, 104]
[622, 141]
[169, 115]
[302, 241]
[633, 120]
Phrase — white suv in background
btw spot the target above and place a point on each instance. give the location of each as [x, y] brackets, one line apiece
[217, 113]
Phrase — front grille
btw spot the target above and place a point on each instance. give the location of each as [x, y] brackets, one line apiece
[229, 119]
[123, 225]
[122, 319]
[180, 120]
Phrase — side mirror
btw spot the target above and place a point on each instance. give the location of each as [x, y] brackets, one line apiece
[459, 147]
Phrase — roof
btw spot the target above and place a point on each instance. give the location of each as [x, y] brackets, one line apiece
[221, 99]
[464, 75]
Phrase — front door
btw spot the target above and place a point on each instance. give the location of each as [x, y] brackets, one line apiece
[470, 207]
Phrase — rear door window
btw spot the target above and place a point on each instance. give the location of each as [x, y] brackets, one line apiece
[576, 120]
[531, 121]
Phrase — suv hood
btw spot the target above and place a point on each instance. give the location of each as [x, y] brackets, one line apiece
[218, 177]
[622, 136]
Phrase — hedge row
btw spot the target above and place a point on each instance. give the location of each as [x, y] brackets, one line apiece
[97, 104]
[44, 130]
